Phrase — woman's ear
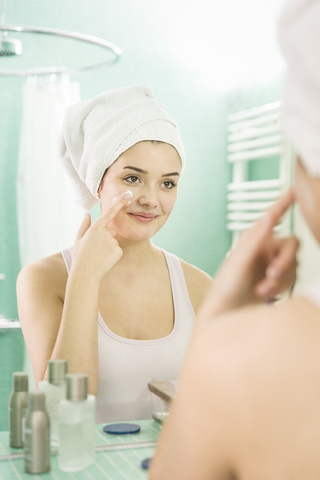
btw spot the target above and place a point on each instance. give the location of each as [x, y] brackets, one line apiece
[101, 183]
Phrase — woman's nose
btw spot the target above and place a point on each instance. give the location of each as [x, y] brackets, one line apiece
[147, 196]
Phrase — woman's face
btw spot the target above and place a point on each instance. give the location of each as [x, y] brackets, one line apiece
[307, 190]
[151, 171]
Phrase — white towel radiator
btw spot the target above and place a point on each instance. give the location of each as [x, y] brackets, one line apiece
[256, 135]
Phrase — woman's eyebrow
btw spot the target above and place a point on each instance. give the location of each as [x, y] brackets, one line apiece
[136, 169]
[170, 174]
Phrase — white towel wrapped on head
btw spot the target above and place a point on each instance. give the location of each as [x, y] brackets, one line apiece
[97, 131]
[299, 33]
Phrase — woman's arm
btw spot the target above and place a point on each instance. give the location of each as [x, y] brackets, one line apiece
[57, 328]
[40, 294]
[198, 283]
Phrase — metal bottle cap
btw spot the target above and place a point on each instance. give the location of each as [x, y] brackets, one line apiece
[57, 371]
[20, 382]
[36, 401]
[77, 387]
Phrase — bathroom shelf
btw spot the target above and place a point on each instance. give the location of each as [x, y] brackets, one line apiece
[7, 324]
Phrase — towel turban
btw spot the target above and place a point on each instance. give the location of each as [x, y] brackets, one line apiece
[97, 131]
[299, 35]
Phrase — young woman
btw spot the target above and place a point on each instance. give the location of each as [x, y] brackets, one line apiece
[247, 405]
[114, 305]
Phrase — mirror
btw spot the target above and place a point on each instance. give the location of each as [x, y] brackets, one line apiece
[203, 61]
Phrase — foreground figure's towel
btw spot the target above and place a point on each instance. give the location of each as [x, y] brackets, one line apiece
[300, 40]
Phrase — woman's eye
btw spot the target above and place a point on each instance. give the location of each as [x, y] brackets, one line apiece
[132, 179]
[169, 184]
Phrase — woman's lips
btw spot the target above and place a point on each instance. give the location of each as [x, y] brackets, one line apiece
[143, 217]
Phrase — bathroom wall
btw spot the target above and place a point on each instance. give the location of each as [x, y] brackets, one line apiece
[202, 59]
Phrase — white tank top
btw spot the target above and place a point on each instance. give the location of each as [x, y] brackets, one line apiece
[126, 366]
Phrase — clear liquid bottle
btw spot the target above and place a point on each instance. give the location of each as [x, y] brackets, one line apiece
[37, 435]
[55, 391]
[17, 408]
[76, 425]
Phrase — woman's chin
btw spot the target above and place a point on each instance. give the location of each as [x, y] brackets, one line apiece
[134, 236]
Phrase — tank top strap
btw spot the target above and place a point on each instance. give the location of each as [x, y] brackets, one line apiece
[67, 257]
[180, 292]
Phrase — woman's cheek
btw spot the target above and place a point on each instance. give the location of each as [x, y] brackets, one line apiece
[168, 204]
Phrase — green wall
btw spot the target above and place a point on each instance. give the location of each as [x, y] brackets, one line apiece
[11, 355]
[143, 30]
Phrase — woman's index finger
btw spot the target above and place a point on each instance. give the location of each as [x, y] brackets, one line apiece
[259, 232]
[118, 203]
[279, 208]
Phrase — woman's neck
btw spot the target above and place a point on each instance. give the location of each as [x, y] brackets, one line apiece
[137, 253]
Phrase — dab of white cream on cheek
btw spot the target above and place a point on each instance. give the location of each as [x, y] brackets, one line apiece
[128, 195]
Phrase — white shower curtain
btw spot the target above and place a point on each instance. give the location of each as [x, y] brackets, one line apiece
[48, 218]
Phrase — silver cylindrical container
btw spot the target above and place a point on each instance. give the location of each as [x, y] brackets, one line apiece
[37, 435]
[17, 408]
[57, 371]
[77, 387]
[55, 391]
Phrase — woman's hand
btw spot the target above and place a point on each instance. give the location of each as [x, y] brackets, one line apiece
[280, 274]
[260, 267]
[96, 250]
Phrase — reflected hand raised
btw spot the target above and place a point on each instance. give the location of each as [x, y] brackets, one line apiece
[96, 250]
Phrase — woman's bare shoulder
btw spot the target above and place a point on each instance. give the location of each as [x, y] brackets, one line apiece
[198, 283]
[248, 332]
[245, 366]
[48, 272]
[248, 351]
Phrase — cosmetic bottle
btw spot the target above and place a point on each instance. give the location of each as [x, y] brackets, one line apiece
[76, 425]
[17, 408]
[55, 391]
[37, 435]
